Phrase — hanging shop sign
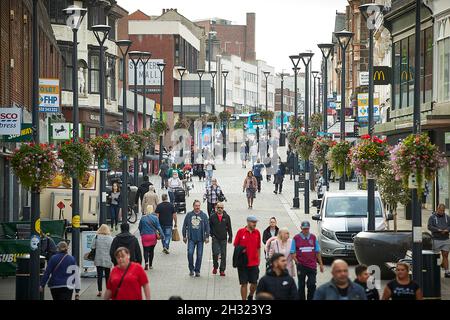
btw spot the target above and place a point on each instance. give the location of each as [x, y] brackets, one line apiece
[10, 121]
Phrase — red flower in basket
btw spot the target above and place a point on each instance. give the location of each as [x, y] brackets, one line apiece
[365, 137]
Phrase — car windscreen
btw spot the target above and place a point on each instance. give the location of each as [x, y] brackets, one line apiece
[337, 207]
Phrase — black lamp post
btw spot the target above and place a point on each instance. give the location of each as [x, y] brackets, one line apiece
[124, 46]
[326, 49]
[282, 133]
[161, 67]
[136, 57]
[343, 38]
[224, 123]
[306, 58]
[213, 95]
[35, 194]
[200, 73]
[315, 75]
[266, 75]
[145, 57]
[416, 205]
[77, 14]
[296, 201]
[181, 71]
[370, 11]
[101, 33]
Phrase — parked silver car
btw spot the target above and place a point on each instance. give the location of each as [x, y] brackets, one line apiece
[341, 217]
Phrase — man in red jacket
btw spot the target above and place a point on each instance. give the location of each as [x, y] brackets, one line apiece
[249, 238]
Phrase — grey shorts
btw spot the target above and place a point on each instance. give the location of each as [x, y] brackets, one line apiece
[441, 245]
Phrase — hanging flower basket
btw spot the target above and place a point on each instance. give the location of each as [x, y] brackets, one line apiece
[225, 116]
[213, 118]
[338, 158]
[267, 115]
[140, 141]
[302, 142]
[127, 145]
[76, 157]
[149, 136]
[35, 165]
[416, 155]
[183, 123]
[160, 127]
[316, 122]
[299, 122]
[320, 149]
[102, 147]
[369, 156]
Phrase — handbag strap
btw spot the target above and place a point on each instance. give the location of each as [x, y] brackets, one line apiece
[121, 281]
[59, 263]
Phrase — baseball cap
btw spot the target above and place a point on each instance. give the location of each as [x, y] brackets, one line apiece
[305, 225]
[252, 219]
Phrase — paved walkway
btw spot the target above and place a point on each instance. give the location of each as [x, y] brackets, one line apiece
[170, 274]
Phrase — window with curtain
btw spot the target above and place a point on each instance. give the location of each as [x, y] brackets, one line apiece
[66, 67]
[428, 65]
[111, 74]
[94, 71]
[444, 70]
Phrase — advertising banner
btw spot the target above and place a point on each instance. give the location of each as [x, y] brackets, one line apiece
[10, 121]
[26, 134]
[49, 95]
[10, 250]
[153, 74]
[87, 238]
[363, 107]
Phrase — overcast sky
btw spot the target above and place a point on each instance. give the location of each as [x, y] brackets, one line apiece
[283, 27]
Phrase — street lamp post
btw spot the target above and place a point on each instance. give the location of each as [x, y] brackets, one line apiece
[224, 133]
[161, 67]
[101, 33]
[200, 73]
[266, 75]
[416, 205]
[181, 71]
[124, 46]
[367, 11]
[213, 96]
[136, 57]
[296, 201]
[282, 133]
[35, 195]
[145, 57]
[77, 14]
[306, 58]
[343, 38]
[326, 49]
[315, 75]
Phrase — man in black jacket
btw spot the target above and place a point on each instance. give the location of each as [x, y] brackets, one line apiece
[127, 240]
[362, 277]
[142, 190]
[277, 280]
[220, 225]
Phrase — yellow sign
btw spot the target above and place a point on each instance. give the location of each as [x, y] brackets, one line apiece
[379, 75]
[37, 226]
[76, 221]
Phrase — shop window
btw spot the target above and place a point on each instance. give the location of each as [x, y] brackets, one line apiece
[92, 133]
[94, 71]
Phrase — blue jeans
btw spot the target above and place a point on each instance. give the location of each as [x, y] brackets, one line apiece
[302, 273]
[114, 209]
[171, 196]
[167, 236]
[198, 262]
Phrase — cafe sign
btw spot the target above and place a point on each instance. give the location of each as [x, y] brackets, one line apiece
[26, 134]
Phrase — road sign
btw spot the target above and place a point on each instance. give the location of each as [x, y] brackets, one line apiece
[49, 95]
[61, 205]
[26, 134]
[382, 75]
[10, 121]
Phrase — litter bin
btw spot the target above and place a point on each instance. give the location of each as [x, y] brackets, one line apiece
[431, 274]
[23, 277]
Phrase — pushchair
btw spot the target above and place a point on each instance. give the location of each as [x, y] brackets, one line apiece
[179, 200]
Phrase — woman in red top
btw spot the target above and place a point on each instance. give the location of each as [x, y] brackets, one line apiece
[127, 279]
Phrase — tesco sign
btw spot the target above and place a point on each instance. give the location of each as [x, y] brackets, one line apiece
[10, 121]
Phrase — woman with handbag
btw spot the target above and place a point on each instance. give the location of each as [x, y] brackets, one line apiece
[250, 186]
[127, 279]
[101, 247]
[60, 273]
[282, 243]
[151, 231]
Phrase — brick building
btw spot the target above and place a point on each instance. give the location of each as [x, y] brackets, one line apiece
[16, 78]
[238, 40]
